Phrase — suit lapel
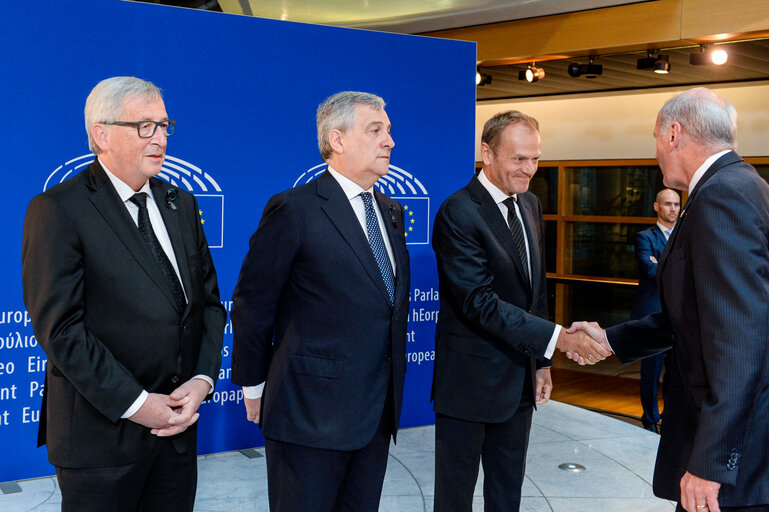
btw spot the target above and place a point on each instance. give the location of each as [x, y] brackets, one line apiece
[107, 201]
[533, 238]
[175, 233]
[493, 217]
[339, 211]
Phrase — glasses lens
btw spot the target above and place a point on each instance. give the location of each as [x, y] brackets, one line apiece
[146, 129]
[169, 127]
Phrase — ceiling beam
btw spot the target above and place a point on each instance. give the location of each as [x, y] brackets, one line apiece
[647, 25]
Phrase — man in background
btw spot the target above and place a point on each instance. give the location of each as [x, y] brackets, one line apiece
[649, 244]
[493, 343]
[122, 293]
[319, 318]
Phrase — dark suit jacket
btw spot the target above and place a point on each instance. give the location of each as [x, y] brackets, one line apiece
[106, 318]
[490, 325]
[649, 242]
[714, 284]
[311, 317]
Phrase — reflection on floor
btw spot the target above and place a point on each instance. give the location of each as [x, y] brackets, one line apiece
[618, 460]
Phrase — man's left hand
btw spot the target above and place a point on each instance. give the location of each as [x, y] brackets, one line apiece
[696, 491]
[544, 386]
[186, 414]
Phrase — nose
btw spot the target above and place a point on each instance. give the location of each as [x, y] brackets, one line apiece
[389, 141]
[159, 137]
[529, 168]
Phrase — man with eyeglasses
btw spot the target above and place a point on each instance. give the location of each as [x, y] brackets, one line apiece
[122, 293]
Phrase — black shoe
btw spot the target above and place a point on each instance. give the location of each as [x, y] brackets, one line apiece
[651, 427]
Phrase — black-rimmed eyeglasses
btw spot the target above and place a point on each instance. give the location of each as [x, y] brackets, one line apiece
[147, 129]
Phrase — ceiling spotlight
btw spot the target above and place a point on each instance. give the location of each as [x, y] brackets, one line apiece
[531, 73]
[708, 55]
[648, 61]
[482, 78]
[591, 70]
[655, 61]
[662, 65]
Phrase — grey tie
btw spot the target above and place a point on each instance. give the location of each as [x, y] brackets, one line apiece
[377, 246]
[148, 234]
[516, 229]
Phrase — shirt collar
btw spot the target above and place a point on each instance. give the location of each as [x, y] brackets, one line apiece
[663, 228]
[704, 167]
[497, 195]
[124, 191]
[350, 188]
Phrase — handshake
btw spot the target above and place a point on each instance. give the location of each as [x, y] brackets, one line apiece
[584, 343]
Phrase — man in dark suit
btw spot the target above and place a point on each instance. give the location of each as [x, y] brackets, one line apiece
[492, 342]
[649, 244]
[132, 328]
[713, 279]
[319, 318]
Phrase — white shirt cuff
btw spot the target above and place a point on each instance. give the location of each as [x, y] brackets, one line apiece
[136, 405]
[253, 392]
[553, 339]
[207, 379]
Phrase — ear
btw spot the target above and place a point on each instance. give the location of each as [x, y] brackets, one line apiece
[486, 153]
[675, 133]
[335, 140]
[99, 135]
[656, 206]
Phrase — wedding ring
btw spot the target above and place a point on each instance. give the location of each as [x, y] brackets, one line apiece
[701, 507]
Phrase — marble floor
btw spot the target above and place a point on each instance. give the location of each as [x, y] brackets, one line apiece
[618, 460]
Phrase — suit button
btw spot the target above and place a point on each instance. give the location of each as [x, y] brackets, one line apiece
[175, 380]
[388, 357]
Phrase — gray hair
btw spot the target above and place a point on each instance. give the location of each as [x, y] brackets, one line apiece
[337, 112]
[494, 127]
[106, 101]
[706, 117]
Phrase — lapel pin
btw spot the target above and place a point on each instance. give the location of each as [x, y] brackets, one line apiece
[171, 195]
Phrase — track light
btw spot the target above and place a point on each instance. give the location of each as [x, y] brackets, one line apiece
[656, 61]
[662, 65]
[531, 73]
[590, 70]
[481, 78]
[708, 55]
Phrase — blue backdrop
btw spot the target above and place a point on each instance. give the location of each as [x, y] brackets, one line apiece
[243, 92]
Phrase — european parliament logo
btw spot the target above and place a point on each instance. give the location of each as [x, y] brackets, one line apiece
[405, 188]
[178, 173]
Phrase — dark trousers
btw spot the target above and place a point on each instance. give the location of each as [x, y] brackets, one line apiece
[305, 479]
[759, 508]
[165, 481]
[651, 369]
[501, 448]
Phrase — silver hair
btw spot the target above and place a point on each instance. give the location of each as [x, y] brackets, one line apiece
[105, 102]
[706, 117]
[337, 112]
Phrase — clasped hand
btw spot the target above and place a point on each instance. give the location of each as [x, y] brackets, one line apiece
[168, 415]
[584, 343]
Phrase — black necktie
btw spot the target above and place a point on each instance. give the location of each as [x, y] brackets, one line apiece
[148, 234]
[376, 242]
[516, 229]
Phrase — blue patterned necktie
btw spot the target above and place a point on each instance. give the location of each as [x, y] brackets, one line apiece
[516, 229]
[148, 234]
[377, 245]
